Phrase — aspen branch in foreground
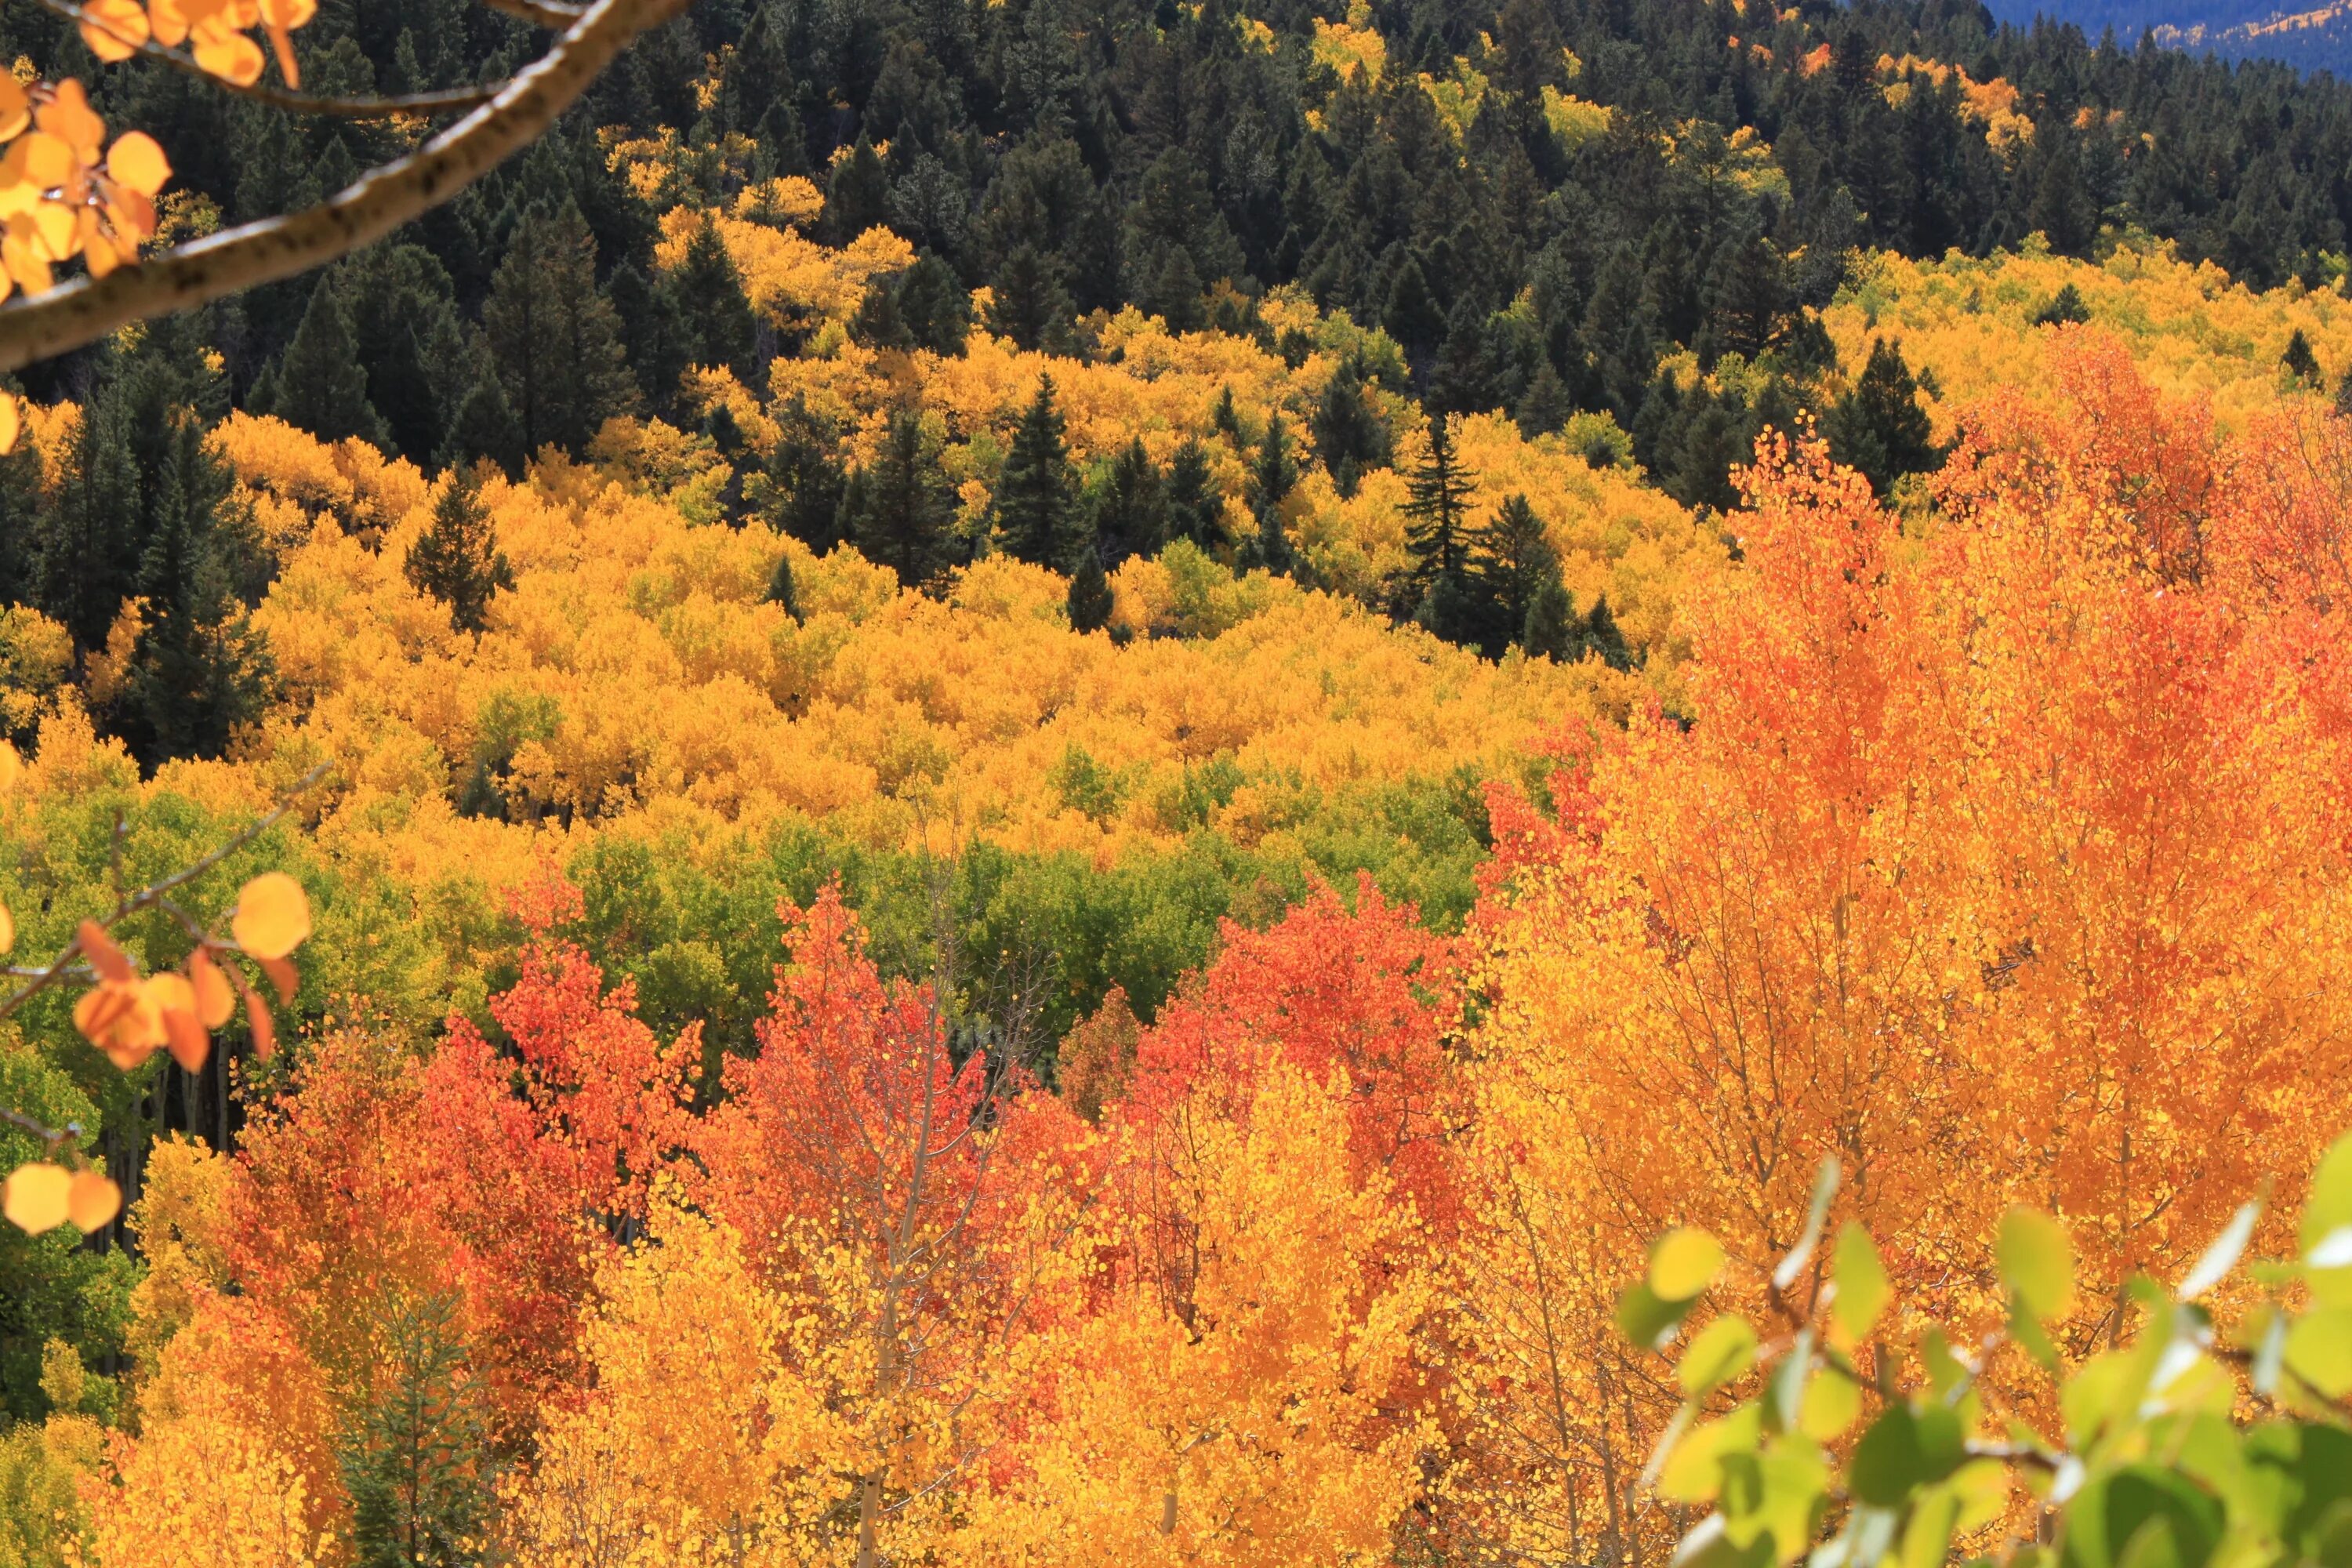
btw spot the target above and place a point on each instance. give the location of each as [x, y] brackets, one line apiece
[87, 307]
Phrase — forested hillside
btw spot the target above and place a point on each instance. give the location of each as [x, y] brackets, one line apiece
[1033, 783]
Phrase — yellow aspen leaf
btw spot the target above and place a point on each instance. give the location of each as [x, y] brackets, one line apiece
[134, 216]
[55, 225]
[137, 161]
[36, 1197]
[215, 999]
[169, 21]
[16, 107]
[114, 30]
[96, 250]
[68, 117]
[232, 58]
[92, 1199]
[7, 929]
[1684, 1263]
[273, 916]
[26, 266]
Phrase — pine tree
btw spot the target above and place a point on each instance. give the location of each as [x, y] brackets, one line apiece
[1196, 509]
[1349, 436]
[1411, 315]
[407, 333]
[781, 588]
[1551, 627]
[456, 558]
[23, 519]
[415, 1465]
[483, 425]
[655, 333]
[318, 384]
[1437, 500]
[1603, 637]
[1033, 491]
[1091, 601]
[88, 562]
[1174, 292]
[1878, 429]
[556, 340]
[1225, 419]
[2066, 305]
[1544, 407]
[898, 509]
[706, 290]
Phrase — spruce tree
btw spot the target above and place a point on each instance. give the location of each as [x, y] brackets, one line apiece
[1550, 629]
[1033, 489]
[482, 425]
[1091, 601]
[1273, 475]
[898, 509]
[1437, 500]
[457, 559]
[415, 1465]
[1878, 429]
[654, 332]
[1602, 637]
[2065, 306]
[407, 332]
[781, 588]
[555, 340]
[858, 197]
[93, 534]
[1196, 508]
[320, 385]
[1545, 406]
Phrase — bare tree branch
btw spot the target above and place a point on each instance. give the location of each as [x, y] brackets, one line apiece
[87, 309]
[448, 100]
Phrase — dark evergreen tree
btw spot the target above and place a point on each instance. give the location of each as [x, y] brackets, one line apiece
[1511, 564]
[1029, 304]
[1552, 628]
[2065, 306]
[1090, 599]
[858, 195]
[1545, 406]
[1601, 637]
[456, 558]
[416, 1463]
[1032, 500]
[1411, 312]
[319, 386]
[1349, 436]
[1130, 510]
[1437, 499]
[1878, 428]
[199, 671]
[707, 289]
[1196, 508]
[1174, 291]
[409, 335]
[899, 509]
[2300, 362]
[554, 338]
[801, 490]
[780, 587]
[656, 334]
[934, 305]
[483, 425]
[23, 516]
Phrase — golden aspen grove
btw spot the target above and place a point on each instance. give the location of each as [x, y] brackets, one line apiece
[1080, 784]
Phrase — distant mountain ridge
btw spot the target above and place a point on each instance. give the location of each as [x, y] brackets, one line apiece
[2310, 38]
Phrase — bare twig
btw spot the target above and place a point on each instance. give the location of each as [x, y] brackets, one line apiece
[448, 100]
[86, 309]
[553, 14]
[52, 1136]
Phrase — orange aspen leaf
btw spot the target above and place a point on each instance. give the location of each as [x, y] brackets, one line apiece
[136, 161]
[281, 975]
[257, 1017]
[16, 107]
[92, 1199]
[114, 28]
[183, 1033]
[7, 929]
[68, 117]
[232, 56]
[108, 959]
[215, 1002]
